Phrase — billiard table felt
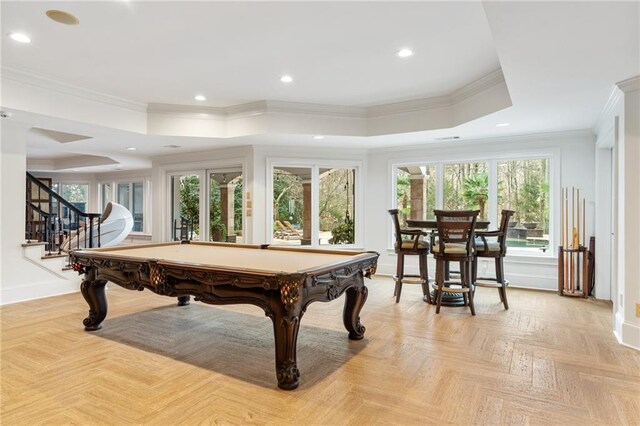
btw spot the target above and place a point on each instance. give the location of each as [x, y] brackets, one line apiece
[288, 261]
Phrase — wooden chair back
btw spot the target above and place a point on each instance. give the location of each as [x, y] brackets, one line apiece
[456, 227]
[504, 227]
[396, 227]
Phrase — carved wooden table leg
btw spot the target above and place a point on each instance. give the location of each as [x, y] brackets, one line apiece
[286, 323]
[93, 292]
[183, 300]
[355, 298]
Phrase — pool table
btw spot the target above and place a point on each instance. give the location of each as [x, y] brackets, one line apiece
[282, 281]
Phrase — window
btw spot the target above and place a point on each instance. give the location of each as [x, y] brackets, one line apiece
[490, 185]
[337, 196]
[523, 186]
[314, 204]
[105, 195]
[185, 206]
[76, 193]
[466, 187]
[416, 192]
[131, 196]
[292, 205]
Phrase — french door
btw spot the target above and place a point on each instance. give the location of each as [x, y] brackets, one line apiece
[207, 205]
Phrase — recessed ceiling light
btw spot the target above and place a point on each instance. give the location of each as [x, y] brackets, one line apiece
[62, 17]
[131, 148]
[405, 53]
[200, 98]
[286, 79]
[22, 38]
[503, 124]
[318, 137]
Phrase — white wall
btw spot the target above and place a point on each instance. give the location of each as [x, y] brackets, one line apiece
[627, 324]
[573, 150]
[20, 279]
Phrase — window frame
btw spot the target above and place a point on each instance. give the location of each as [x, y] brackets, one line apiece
[146, 198]
[315, 166]
[492, 159]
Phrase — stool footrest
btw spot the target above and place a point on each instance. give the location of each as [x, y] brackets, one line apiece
[490, 282]
[409, 279]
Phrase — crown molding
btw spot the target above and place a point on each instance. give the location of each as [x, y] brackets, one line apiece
[630, 84]
[604, 120]
[42, 82]
[405, 107]
[478, 86]
[263, 106]
[316, 109]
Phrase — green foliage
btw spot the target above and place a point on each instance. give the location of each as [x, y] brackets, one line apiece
[190, 200]
[218, 231]
[476, 191]
[343, 233]
[287, 196]
[523, 186]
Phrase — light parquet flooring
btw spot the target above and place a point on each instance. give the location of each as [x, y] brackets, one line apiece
[547, 360]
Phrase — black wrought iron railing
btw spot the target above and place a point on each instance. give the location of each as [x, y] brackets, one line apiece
[57, 222]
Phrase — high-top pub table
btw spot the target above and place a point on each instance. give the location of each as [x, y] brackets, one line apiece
[282, 281]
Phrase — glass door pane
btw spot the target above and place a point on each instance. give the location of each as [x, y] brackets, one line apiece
[336, 210]
[138, 206]
[185, 207]
[225, 205]
[292, 205]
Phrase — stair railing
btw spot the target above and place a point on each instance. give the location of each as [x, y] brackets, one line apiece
[61, 225]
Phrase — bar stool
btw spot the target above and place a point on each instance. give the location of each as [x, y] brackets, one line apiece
[414, 246]
[456, 243]
[496, 250]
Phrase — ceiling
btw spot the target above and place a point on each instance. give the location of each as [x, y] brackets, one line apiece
[560, 62]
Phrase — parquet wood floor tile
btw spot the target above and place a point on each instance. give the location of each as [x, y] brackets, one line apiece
[547, 360]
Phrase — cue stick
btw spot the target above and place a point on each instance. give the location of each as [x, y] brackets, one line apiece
[578, 239]
[562, 218]
[584, 222]
[573, 232]
[585, 285]
[566, 235]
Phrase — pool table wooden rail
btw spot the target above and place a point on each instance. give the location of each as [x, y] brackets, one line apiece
[283, 296]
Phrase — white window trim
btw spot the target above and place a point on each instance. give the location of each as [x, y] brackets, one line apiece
[492, 159]
[315, 165]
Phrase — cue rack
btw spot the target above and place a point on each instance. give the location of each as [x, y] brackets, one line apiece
[573, 255]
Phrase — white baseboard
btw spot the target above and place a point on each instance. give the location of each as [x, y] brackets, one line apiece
[628, 334]
[38, 290]
[520, 280]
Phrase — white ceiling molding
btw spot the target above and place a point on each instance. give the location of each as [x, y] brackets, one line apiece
[68, 163]
[605, 119]
[478, 86]
[630, 84]
[479, 98]
[36, 80]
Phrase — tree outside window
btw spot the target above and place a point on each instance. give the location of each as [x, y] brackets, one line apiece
[466, 187]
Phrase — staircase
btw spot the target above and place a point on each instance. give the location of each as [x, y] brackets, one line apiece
[56, 222]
